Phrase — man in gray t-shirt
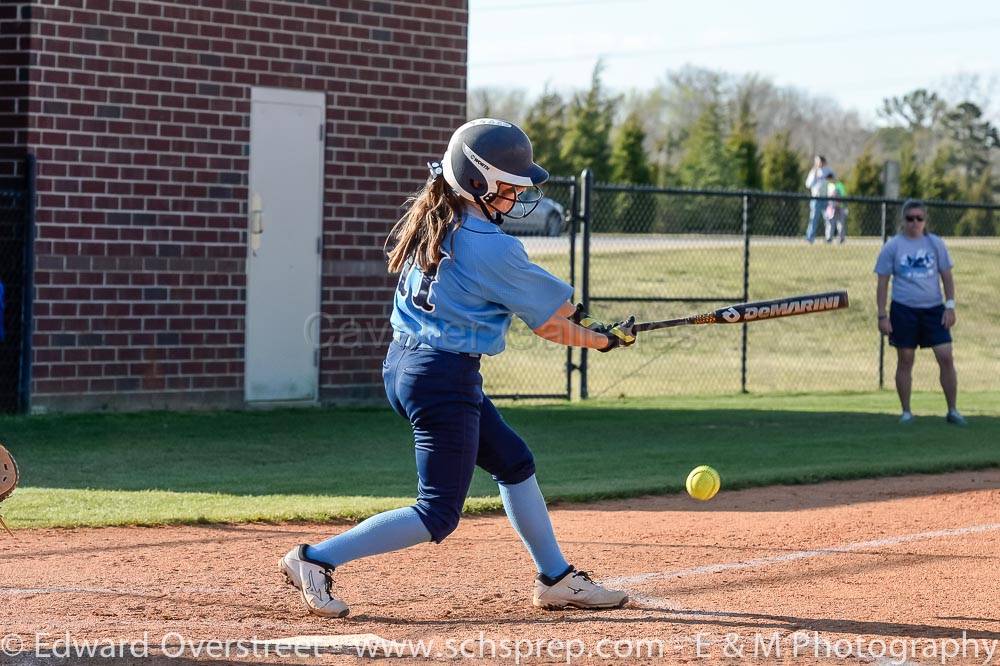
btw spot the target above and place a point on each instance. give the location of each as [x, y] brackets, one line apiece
[918, 264]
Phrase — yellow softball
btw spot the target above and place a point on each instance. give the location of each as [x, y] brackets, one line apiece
[703, 482]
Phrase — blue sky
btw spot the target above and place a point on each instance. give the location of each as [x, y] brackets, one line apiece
[855, 52]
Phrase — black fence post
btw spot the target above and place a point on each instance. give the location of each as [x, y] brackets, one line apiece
[28, 286]
[746, 290]
[881, 338]
[586, 189]
[574, 207]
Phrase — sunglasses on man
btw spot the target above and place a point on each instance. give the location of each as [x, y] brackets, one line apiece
[914, 218]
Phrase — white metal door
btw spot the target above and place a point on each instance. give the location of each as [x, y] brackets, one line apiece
[283, 260]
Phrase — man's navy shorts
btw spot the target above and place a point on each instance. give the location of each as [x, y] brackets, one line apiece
[917, 327]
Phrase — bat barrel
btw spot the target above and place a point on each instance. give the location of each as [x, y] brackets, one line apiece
[782, 307]
[739, 313]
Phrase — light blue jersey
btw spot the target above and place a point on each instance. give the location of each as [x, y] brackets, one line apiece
[483, 279]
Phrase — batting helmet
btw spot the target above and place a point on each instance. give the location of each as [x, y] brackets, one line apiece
[486, 153]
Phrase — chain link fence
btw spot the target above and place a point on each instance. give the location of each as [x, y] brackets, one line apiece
[661, 253]
[532, 367]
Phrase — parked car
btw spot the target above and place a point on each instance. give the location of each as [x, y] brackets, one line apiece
[548, 219]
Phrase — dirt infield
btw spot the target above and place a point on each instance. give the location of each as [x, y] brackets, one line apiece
[802, 573]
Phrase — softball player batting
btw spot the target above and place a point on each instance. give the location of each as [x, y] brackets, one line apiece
[461, 280]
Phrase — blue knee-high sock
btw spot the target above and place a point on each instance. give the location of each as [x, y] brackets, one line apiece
[527, 512]
[385, 532]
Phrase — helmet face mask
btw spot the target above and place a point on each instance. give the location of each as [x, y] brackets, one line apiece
[521, 200]
[489, 161]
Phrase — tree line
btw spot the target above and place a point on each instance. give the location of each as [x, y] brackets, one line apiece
[705, 129]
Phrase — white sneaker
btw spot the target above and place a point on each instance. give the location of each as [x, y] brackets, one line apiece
[907, 417]
[575, 589]
[313, 580]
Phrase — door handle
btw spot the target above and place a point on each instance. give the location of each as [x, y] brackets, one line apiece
[256, 222]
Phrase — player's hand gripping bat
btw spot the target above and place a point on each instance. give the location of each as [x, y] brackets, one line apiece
[743, 312]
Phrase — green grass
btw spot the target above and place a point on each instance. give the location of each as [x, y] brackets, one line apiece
[835, 351]
[158, 468]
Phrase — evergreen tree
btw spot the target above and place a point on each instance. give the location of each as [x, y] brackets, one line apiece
[936, 178]
[633, 211]
[941, 184]
[743, 149]
[666, 176]
[782, 166]
[910, 185]
[781, 171]
[586, 143]
[979, 221]
[865, 180]
[629, 163]
[666, 148]
[974, 140]
[545, 123]
[866, 176]
[706, 163]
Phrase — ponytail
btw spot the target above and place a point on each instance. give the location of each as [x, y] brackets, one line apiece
[420, 231]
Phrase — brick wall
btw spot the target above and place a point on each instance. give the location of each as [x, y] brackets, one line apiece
[14, 53]
[139, 119]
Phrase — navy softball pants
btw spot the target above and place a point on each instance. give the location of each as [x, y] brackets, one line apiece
[455, 428]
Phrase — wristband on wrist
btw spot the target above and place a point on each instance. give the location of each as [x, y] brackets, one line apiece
[881, 317]
[949, 304]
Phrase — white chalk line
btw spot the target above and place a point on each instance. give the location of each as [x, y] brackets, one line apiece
[57, 590]
[15, 591]
[721, 567]
[637, 579]
[644, 601]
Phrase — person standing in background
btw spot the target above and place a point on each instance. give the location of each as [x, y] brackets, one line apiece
[816, 182]
[836, 210]
[918, 264]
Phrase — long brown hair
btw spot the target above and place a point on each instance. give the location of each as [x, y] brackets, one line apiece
[420, 231]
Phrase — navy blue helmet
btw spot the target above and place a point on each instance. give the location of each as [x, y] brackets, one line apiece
[486, 154]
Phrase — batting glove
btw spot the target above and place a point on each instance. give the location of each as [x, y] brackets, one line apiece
[620, 334]
[581, 318]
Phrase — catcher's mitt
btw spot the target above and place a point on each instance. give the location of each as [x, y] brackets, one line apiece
[8, 473]
[8, 478]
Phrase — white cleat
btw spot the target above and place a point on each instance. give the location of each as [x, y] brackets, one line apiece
[312, 579]
[907, 417]
[575, 590]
